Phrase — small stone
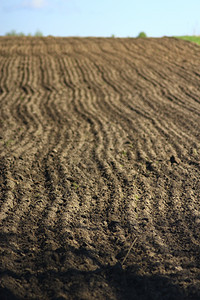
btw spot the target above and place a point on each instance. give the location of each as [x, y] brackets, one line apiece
[197, 220]
[178, 268]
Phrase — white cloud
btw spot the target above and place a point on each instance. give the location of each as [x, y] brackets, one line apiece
[34, 3]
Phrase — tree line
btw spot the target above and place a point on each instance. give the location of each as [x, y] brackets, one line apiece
[14, 33]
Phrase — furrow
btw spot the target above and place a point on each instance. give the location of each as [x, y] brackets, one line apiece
[5, 62]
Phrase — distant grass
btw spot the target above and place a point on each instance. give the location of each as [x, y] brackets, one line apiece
[194, 38]
[38, 33]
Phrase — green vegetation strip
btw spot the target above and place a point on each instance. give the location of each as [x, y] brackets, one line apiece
[194, 39]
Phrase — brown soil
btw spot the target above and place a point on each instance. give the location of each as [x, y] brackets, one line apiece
[99, 168]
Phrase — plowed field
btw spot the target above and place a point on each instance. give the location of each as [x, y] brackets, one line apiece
[99, 168]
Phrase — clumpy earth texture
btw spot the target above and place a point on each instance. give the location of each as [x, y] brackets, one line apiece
[99, 168]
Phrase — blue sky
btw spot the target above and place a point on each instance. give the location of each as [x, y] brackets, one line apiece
[101, 17]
